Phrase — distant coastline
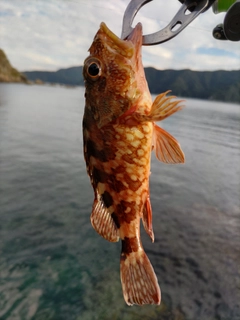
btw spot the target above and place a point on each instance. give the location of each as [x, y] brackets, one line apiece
[208, 85]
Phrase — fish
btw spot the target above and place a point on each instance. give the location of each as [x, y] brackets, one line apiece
[119, 134]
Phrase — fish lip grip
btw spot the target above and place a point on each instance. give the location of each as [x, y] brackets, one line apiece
[187, 13]
[231, 23]
[230, 28]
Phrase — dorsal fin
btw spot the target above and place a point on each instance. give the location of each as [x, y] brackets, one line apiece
[164, 106]
[102, 220]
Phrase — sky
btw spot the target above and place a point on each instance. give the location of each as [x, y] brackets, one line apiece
[54, 34]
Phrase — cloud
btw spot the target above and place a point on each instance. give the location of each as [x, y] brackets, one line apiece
[53, 34]
[216, 52]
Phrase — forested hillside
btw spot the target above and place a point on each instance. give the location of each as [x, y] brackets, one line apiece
[7, 72]
[214, 85]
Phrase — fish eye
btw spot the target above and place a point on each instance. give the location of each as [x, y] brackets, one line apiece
[92, 68]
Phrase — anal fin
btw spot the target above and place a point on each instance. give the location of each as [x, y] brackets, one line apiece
[103, 222]
[147, 218]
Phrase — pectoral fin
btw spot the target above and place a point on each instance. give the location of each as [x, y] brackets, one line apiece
[102, 221]
[167, 148]
[147, 219]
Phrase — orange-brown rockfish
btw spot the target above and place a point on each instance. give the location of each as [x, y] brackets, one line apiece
[119, 134]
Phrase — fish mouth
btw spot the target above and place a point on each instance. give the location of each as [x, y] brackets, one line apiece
[136, 35]
[125, 47]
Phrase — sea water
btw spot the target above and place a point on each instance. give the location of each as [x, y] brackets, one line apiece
[54, 266]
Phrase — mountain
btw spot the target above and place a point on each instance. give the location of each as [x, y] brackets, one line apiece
[69, 76]
[7, 72]
[214, 85]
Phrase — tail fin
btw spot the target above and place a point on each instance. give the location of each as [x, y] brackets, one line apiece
[139, 282]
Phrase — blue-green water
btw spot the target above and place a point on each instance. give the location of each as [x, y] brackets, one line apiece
[53, 266]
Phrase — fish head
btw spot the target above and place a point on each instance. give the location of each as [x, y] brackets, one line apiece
[113, 74]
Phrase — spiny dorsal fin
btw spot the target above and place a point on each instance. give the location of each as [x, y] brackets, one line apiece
[103, 222]
[166, 147]
[164, 107]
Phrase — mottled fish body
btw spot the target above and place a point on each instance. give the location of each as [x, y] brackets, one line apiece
[119, 134]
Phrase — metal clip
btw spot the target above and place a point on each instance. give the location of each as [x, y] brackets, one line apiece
[187, 13]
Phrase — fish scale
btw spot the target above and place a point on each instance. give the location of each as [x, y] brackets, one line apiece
[124, 179]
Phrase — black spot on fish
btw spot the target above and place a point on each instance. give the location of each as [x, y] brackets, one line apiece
[130, 245]
[115, 219]
[124, 206]
[99, 176]
[93, 151]
[105, 154]
[115, 184]
[107, 199]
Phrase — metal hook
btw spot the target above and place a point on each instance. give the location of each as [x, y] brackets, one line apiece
[178, 23]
